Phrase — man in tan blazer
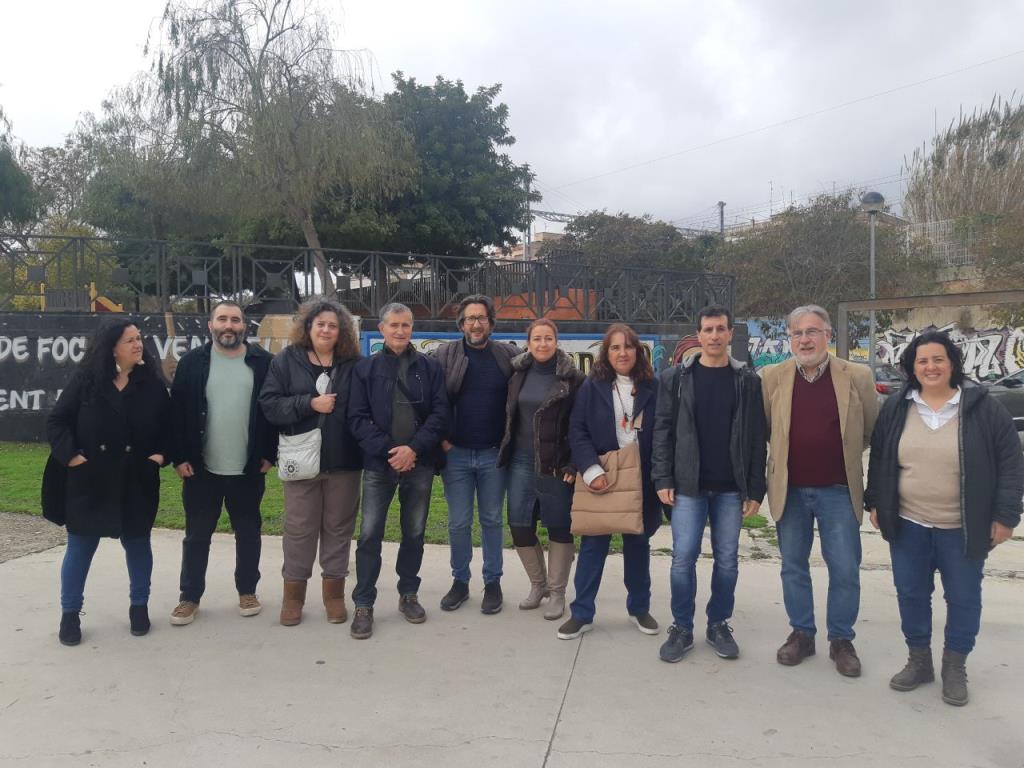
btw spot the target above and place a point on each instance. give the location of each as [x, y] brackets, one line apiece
[820, 411]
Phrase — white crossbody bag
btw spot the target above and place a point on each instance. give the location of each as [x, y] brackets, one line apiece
[298, 456]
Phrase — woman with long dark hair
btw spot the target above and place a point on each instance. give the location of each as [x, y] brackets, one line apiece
[945, 481]
[615, 408]
[108, 434]
[535, 448]
[308, 386]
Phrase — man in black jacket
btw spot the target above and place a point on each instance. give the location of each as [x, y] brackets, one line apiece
[708, 463]
[476, 374]
[222, 448]
[399, 414]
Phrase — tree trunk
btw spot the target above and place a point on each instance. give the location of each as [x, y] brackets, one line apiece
[327, 284]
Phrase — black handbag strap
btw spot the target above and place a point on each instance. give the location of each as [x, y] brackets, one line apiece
[420, 406]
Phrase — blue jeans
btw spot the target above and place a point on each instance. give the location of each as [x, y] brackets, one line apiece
[78, 557]
[689, 516]
[414, 500]
[468, 471]
[636, 555]
[917, 552]
[839, 532]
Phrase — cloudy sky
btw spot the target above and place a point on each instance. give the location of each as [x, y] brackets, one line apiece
[643, 107]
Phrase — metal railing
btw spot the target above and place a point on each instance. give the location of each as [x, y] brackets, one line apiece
[74, 273]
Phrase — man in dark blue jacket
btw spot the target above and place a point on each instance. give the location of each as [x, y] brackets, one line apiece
[399, 414]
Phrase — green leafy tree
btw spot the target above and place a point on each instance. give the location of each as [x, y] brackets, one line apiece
[17, 199]
[624, 240]
[819, 254]
[468, 194]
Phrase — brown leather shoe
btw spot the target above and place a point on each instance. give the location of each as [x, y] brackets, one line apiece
[798, 646]
[845, 657]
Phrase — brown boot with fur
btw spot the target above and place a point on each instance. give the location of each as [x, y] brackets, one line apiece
[334, 600]
[291, 603]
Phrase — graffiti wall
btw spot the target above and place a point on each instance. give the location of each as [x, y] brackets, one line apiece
[988, 353]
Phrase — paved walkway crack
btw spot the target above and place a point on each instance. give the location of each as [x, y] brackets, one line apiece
[561, 706]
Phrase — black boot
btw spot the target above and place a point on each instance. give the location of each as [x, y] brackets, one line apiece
[138, 615]
[70, 629]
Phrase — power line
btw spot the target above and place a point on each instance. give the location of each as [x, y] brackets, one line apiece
[790, 120]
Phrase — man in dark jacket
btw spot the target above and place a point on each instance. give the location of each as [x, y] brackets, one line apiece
[708, 463]
[222, 448]
[399, 414]
[476, 372]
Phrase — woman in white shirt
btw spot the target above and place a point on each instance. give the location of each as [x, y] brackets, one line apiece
[614, 408]
[944, 487]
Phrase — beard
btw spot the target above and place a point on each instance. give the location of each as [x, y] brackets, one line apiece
[234, 342]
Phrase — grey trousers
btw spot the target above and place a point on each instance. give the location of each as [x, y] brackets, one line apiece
[321, 510]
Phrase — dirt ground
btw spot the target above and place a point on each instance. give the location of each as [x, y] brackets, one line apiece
[24, 534]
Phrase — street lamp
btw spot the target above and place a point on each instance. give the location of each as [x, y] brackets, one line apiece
[871, 203]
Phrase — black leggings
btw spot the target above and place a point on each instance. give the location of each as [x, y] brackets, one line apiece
[527, 537]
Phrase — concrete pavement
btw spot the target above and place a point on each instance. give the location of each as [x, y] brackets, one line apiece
[465, 689]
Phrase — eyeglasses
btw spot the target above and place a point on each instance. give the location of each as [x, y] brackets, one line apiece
[476, 320]
[810, 333]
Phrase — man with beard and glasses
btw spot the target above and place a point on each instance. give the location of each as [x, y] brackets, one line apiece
[476, 372]
[222, 448]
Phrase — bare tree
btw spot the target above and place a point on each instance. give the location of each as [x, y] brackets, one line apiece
[262, 81]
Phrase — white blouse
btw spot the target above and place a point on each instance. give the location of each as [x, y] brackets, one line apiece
[622, 402]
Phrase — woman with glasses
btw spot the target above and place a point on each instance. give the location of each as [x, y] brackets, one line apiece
[108, 437]
[614, 409]
[307, 387]
[536, 451]
[945, 481]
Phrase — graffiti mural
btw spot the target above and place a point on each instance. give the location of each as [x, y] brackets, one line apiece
[988, 354]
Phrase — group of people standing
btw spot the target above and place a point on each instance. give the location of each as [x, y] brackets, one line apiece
[945, 480]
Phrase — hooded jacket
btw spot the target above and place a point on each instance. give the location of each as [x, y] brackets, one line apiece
[991, 467]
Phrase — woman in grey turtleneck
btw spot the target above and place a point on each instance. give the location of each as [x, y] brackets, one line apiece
[536, 450]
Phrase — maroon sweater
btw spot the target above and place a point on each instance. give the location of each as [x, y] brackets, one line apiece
[815, 439]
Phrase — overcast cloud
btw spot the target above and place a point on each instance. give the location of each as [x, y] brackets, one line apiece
[597, 86]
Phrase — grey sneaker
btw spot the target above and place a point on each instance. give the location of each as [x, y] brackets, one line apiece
[457, 595]
[409, 606]
[492, 598]
[362, 624]
[646, 623]
[719, 637]
[678, 643]
[573, 628]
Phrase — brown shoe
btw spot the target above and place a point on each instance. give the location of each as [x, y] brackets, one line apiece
[845, 657]
[291, 602]
[334, 600]
[184, 613]
[798, 646]
[249, 605]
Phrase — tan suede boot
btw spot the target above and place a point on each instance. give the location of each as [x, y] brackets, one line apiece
[560, 557]
[334, 600]
[292, 602]
[533, 563]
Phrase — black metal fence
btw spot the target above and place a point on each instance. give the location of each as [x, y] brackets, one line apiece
[49, 273]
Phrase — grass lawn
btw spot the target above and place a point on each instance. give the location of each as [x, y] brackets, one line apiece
[21, 467]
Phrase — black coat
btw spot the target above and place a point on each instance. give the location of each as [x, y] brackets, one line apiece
[991, 467]
[592, 432]
[372, 401]
[117, 490]
[285, 398]
[676, 457]
[188, 404]
[551, 421]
